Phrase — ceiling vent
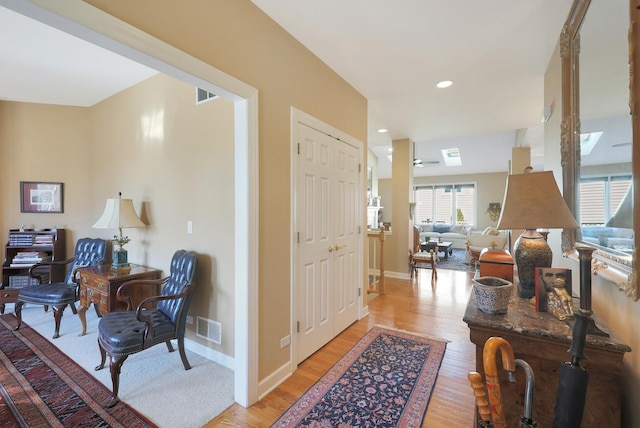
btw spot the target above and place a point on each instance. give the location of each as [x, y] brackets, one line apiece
[203, 96]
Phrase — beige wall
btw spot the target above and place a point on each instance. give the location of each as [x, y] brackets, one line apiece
[239, 39]
[153, 144]
[618, 311]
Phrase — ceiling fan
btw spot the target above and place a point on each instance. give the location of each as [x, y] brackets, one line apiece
[416, 162]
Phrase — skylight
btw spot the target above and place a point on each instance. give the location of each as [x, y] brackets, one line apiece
[588, 141]
[451, 157]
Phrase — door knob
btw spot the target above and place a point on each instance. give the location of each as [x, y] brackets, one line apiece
[336, 247]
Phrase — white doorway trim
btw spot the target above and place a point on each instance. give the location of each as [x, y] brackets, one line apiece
[91, 24]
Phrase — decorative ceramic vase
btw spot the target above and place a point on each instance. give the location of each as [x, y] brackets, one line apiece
[492, 294]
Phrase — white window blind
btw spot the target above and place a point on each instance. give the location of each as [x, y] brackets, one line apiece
[600, 197]
[440, 203]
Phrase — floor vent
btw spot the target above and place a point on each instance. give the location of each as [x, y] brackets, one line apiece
[210, 330]
[203, 96]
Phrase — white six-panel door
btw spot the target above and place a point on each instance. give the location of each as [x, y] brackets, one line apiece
[327, 272]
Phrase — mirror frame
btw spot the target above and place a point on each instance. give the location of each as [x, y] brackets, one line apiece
[619, 270]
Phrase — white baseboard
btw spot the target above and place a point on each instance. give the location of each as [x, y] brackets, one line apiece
[210, 354]
[272, 381]
[397, 275]
[264, 387]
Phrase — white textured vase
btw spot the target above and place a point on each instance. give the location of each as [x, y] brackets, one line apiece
[492, 294]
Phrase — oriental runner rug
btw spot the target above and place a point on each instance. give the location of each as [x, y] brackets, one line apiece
[42, 387]
[385, 380]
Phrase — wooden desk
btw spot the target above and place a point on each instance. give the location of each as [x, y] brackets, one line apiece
[543, 341]
[98, 285]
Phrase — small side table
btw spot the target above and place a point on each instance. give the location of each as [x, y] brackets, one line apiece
[98, 285]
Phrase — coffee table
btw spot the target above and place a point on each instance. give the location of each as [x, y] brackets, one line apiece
[444, 246]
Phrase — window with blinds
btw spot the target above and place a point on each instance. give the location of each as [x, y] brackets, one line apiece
[600, 197]
[445, 203]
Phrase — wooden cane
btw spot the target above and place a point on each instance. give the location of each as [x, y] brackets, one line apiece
[481, 399]
[491, 347]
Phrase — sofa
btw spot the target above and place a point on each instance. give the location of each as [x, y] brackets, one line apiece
[611, 237]
[456, 234]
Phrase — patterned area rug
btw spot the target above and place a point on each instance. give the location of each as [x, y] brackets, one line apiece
[456, 261]
[41, 387]
[385, 380]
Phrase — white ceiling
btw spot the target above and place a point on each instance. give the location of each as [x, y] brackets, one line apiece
[495, 51]
[40, 64]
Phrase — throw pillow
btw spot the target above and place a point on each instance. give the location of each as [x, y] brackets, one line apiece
[441, 228]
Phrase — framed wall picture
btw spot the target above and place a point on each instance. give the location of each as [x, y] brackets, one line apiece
[39, 197]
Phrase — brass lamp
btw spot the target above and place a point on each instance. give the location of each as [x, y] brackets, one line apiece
[118, 214]
[531, 201]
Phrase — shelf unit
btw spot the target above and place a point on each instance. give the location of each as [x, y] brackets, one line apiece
[49, 243]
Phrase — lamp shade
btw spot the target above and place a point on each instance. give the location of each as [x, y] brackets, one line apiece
[118, 214]
[533, 200]
[624, 214]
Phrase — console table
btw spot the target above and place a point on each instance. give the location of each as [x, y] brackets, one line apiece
[98, 285]
[542, 341]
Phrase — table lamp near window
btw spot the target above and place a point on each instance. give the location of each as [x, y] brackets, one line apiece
[532, 201]
[119, 214]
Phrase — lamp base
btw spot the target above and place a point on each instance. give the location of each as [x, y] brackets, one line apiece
[531, 251]
[119, 263]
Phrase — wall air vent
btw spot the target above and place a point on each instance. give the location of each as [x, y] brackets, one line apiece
[209, 329]
[203, 96]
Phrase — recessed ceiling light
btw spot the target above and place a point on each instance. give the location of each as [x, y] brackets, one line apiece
[390, 149]
[444, 84]
[383, 130]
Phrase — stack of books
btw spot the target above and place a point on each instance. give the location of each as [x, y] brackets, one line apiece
[43, 240]
[20, 239]
[24, 259]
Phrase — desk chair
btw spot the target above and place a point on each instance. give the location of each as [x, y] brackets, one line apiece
[88, 252]
[123, 333]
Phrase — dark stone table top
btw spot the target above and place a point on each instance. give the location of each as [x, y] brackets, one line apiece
[522, 317]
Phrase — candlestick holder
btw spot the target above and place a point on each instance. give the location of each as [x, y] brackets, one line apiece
[585, 255]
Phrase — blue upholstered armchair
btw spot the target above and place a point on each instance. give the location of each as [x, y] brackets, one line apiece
[121, 334]
[88, 252]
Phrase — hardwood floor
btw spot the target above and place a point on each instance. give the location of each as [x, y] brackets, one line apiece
[436, 311]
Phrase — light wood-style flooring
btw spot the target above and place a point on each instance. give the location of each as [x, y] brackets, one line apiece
[436, 311]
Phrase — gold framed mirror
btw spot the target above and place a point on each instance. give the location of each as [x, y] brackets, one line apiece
[614, 259]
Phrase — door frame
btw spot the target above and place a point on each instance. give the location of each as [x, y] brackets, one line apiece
[92, 24]
[298, 116]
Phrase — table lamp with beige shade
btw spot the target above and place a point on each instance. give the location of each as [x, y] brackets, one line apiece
[533, 201]
[119, 214]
